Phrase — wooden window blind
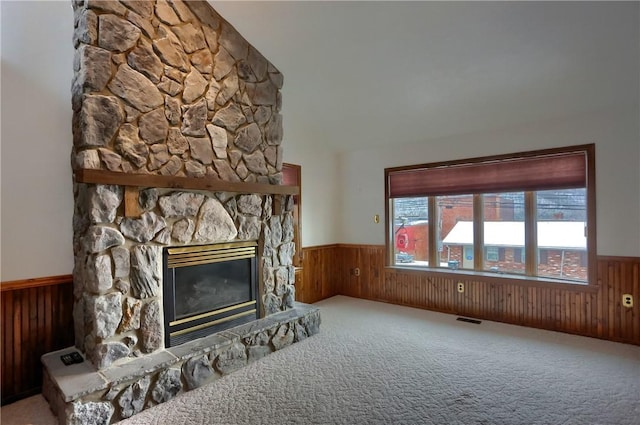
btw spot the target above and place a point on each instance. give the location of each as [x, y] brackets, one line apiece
[529, 172]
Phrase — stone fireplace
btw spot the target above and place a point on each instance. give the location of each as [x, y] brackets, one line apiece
[120, 274]
[183, 232]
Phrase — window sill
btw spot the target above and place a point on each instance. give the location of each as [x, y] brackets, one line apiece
[498, 278]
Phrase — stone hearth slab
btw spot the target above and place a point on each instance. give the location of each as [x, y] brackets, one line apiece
[75, 380]
[80, 391]
[138, 368]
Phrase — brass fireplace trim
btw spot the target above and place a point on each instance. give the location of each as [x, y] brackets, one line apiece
[215, 322]
[205, 254]
[211, 313]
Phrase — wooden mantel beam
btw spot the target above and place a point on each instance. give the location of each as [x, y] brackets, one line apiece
[176, 182]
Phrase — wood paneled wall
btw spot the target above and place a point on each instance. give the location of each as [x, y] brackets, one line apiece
[594, 311]
[36, 319]
[37, 313]
[320, 271]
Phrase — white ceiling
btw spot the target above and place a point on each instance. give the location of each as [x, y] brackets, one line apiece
[361, 74]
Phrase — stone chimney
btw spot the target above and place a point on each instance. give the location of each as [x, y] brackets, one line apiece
[168, 91]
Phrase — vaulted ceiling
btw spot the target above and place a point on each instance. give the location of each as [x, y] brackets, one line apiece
[361, 74]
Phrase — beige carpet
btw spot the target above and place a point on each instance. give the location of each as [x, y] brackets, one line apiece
[375, 363]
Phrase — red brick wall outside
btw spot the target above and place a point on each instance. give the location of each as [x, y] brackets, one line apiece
[452, 253]
[574, 266]
[453, 209]
[497, 208]
[510, 264]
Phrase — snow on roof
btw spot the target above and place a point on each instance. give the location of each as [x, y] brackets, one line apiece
[551, 234]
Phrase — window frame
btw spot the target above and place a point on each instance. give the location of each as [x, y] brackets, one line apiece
[491, 251]
[530, 248]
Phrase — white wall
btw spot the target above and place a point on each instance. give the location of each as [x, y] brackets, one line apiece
[616, 134]
[320, 187]
[37, 196]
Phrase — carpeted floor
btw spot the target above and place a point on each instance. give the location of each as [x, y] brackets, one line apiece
[375, 363]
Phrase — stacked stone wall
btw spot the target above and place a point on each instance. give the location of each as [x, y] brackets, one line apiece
[169, 87]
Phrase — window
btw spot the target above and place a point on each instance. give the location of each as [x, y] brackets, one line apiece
[410, 231]
[492, 253]
[561, 224]
[528, 213]
[454, 229]
[503, 217]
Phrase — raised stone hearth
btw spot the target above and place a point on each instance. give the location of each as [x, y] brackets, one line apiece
[177, 138]
[81, 394]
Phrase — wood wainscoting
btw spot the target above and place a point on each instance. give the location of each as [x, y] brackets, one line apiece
[594, 311]
[320, 274]
[37, 318]
[37, 313]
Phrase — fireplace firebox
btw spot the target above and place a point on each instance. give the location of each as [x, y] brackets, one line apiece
[207, 289]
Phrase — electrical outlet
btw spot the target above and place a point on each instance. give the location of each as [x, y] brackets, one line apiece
[460, 287]
[627, 300]
[356, 271]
